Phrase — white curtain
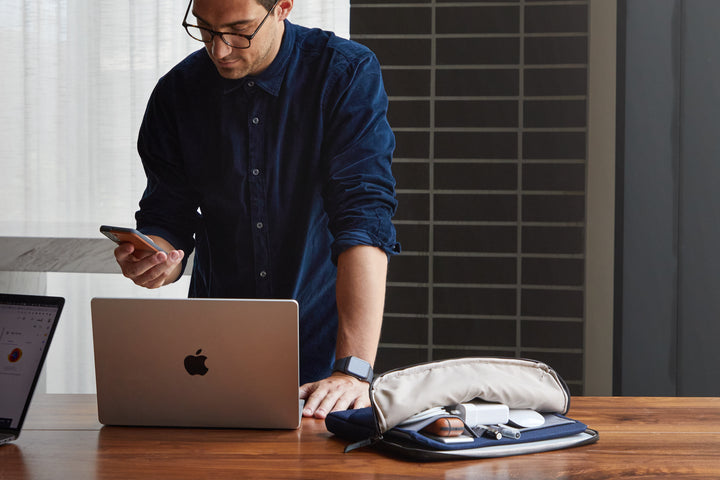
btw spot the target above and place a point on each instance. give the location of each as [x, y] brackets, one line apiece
[76, 75]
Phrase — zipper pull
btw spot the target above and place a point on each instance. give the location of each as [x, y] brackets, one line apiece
[363, 443]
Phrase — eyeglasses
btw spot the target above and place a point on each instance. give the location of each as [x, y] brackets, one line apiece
[234, 40]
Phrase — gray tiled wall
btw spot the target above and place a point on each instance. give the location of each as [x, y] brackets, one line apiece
[488, 102]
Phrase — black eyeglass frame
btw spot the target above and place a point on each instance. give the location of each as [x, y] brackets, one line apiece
[212, 33]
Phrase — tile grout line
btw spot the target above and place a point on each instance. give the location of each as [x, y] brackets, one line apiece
[431, 186]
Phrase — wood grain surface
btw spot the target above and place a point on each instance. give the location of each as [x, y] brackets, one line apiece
[645, 438]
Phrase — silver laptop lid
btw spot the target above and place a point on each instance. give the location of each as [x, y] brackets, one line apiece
[27, 325]
[197, 362]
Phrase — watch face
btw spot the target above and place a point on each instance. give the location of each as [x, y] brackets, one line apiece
[359, 367]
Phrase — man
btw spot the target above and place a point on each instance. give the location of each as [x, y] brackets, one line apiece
[269, 153]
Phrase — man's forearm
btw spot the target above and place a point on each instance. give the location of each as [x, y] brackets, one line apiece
[360, 293]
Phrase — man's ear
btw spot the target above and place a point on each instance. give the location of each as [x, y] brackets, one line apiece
[283, 8]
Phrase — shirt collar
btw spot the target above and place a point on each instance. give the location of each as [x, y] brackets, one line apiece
[272, 77]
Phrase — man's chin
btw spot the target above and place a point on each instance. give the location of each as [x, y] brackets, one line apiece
[231, 71]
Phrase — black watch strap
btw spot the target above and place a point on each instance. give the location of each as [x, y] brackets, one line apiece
[357, 367]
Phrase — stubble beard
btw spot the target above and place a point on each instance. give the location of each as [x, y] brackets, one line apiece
[241, 68]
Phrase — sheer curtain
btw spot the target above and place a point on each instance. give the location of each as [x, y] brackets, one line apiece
[76, 75]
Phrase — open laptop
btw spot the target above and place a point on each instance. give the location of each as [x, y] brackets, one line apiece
[27, 325]
[226, 363]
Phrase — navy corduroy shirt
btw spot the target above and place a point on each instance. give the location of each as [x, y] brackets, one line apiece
[269, 178]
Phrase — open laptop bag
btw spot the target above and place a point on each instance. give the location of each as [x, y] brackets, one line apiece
[400, 394]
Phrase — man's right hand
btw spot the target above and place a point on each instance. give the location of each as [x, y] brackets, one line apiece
[150, 269]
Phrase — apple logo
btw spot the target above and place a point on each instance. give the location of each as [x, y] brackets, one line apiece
[195, 364]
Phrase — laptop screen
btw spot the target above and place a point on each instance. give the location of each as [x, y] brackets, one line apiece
[27, 324]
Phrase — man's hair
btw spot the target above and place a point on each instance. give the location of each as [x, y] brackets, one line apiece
[267, 4]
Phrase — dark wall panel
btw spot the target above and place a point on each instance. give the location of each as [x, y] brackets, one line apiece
[671, 226]
[699, 331]
[648, 356]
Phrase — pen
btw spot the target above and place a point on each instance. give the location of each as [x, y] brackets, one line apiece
[508, 432]
[491, 432]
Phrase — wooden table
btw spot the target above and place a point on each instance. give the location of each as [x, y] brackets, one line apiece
[674, 438]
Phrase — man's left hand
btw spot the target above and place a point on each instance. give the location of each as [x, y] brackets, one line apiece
[334, 393]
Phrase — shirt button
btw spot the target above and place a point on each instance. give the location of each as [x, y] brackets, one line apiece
[255, 172]
[251, 84]
[255, 120]
[263, 274]
[259, 225]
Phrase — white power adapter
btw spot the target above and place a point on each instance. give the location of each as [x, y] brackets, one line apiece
[479, 413]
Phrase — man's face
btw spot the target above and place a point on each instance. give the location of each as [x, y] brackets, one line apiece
[241, 16]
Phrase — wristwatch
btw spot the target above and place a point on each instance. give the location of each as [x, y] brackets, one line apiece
[357, 367]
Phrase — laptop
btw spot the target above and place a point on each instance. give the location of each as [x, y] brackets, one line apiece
[211, 363]
[27, 325]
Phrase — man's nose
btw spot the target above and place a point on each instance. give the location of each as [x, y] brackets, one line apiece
[220, 49]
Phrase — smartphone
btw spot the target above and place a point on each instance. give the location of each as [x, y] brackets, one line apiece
[123, 234]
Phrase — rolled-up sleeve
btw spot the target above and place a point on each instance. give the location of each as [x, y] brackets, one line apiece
[359, 192]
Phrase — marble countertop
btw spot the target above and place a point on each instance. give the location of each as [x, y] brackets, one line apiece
[55, 247]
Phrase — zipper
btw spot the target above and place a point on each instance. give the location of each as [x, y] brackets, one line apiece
[364, 443]
[378, 435]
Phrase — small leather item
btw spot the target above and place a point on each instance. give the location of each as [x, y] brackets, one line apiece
[357, 367]
[446, 427]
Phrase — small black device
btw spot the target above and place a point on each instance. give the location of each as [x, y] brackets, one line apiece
[357, 367]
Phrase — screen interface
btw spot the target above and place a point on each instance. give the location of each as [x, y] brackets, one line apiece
[24, 331]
